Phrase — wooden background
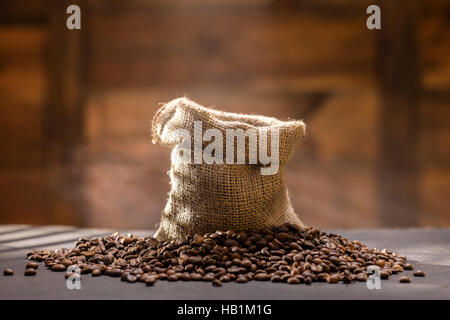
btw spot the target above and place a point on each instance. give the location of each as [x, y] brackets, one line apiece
[76, 106]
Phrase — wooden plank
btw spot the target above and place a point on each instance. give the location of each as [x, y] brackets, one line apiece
[23, 12]
[22, 86]
[434, 40]
[195, 48]
[399, 76]
[434, 191]
[63, 113]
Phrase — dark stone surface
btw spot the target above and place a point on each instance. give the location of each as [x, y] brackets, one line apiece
[427, 249]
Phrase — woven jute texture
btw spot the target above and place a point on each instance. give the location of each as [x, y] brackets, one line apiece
[210, 197]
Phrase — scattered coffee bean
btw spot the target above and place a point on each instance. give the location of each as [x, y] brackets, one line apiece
[196, 277]
[419, 273]
[408, 266]
[241, 279]
[59, 267]
[30, 272]
[262, 277]
[286, 253]
[172, 277]
[8, 272]
[396, 268]
[96, 272]
[150, 280]
[31, 265]
[333, 278]
[115, 273]
[405, 279]
[361, 277]
[217, 283]
[293, 280]
[381, 263]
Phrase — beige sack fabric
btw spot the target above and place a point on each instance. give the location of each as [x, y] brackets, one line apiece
[209, 197]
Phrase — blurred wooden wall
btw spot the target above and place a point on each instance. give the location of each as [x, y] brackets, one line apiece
[76, 106]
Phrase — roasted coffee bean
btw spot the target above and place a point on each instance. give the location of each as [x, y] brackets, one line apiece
[217, 283]
[241, 279]
[381, 263]
[285, 253]
[208, 277]
[32, 265]
[361, 277]
[8, 272]
[185, 276]
[275, 278]
[124, 275]
[30, 272]
[115, 273]
[225, 278]
[408, 266]
[396, 268]
[96, 272]
[231, 243]
[405, 279]
[333, 278]
[196, 276]
[262, 277]
[384, 275]
[293, 280]
[172, 277]
[419, 273]
[150, 280]
[58, 267]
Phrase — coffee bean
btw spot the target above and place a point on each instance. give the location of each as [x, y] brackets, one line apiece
[293, 280]
[333, 278]
[285, 253]
[126, 241]
[381, 263]
[59, 267]
[150, 280]
[8, 272]
[196, 276]
[262, 277]
[275, 278]
[405, 279]
[283, 236]
[131, 278]
[225, 278]
[186, 276]
[115, 273]
[408, 266]
[208, 277]
[217, 283]
[419, 273]
[96, 272]
[231, 243]
[361, 277]
[172, 277]
[32, 265]
[396, 268]
[30, 272]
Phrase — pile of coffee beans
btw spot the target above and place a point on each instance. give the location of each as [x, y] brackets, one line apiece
[286, 254]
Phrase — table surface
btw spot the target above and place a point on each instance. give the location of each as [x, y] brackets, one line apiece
[427, 249]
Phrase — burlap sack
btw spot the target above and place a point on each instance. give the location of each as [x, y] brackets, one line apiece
[209, 197]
